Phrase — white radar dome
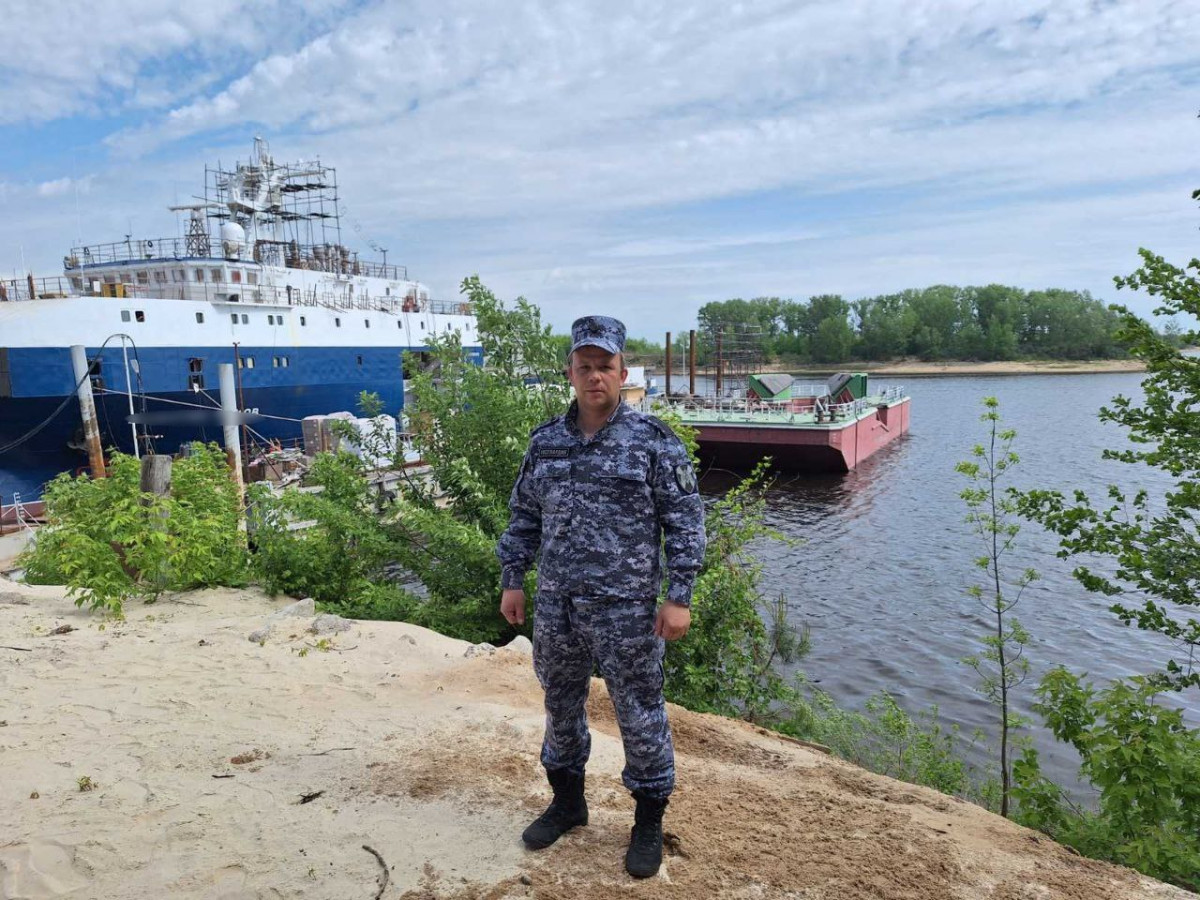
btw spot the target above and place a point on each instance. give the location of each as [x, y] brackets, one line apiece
[233, 239]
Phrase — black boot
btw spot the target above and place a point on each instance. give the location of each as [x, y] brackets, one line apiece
[646, 840]
[566, 810]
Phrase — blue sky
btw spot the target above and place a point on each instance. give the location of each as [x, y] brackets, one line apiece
[639, 160]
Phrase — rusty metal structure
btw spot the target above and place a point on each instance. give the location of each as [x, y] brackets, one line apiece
[723, 358]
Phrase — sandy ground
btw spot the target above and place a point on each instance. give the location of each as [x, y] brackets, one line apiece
[225, 768]
[916, 368]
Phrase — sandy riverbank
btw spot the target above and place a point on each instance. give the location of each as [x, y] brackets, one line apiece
[919, 369]
[201, 747]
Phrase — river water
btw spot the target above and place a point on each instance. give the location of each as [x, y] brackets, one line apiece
[882, 575]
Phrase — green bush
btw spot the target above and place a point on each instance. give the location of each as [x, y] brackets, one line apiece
[885, 739]
[343, 550]
[726, 663]
[108, 541]
[1141, 551]
[1143, 760]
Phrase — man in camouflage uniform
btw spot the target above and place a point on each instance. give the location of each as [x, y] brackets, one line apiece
[603, 491]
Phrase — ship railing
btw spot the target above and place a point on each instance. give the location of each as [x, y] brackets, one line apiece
[737, 408]
[21, 514]
[818, 408]
[315, 257]
[281, 296]
[327, 257]
[850, 410]
[808, 390]
[382, 270]
[891, 395]
[141, 250]
[856, 408]
[30, 288]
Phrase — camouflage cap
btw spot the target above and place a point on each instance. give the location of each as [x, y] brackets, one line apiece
[598, 331]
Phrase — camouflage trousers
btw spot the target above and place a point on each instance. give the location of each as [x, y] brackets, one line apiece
[617, 636]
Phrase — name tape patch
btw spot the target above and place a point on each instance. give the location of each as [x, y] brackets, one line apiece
[553, 452]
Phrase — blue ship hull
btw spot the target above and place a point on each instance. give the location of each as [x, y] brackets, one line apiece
[285, 384]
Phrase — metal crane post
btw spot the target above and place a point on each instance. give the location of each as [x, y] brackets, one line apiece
[229, 410]
[692, 362]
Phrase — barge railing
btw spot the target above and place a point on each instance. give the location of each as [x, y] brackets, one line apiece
[798, 410]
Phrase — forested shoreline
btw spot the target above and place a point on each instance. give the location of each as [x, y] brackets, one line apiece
[992, 323]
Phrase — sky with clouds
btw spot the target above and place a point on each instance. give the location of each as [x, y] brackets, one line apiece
[633, 159]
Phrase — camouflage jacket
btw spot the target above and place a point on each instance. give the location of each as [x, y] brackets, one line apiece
[602, 511]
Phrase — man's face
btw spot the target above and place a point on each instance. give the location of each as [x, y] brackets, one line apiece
[596, 376]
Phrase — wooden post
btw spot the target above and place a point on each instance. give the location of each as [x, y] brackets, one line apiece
[667, 364]
[692, 362]
[156, 479]
[156, 474]
[87, 410]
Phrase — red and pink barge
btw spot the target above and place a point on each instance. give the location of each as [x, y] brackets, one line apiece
[830, 428]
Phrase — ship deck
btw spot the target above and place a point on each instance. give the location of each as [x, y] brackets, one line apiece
[797, 413]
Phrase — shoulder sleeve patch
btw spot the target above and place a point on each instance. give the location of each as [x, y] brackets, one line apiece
[685, 477]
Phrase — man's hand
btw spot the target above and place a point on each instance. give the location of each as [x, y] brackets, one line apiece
[512, 607]
[673, 621]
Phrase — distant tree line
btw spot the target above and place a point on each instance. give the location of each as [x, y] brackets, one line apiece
[940, 322]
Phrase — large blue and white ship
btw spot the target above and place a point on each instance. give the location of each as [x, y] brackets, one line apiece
[260, 278]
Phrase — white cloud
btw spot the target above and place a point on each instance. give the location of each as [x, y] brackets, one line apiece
[584, 152]
[58, 187]
[678, 246]
[520, 105]
[69, 56]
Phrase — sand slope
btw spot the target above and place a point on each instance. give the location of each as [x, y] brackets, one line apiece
[429, 757]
